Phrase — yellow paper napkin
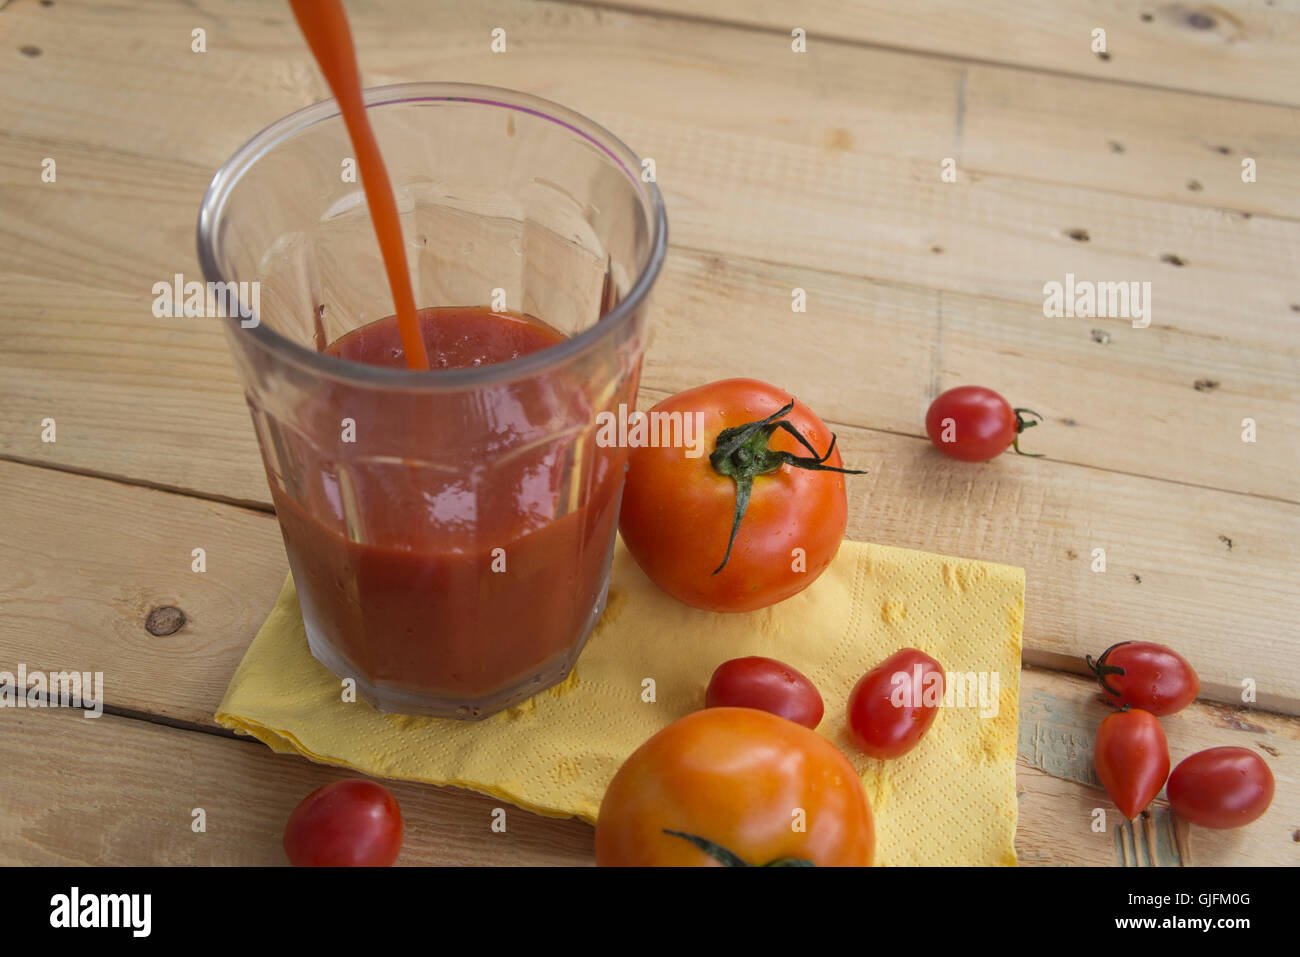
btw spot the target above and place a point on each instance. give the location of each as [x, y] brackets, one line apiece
[951, 800]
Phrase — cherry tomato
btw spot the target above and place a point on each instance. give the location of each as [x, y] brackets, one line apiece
[1147, 676]
[726, 786]
[893, 705]
[975, 424]
[1132, 759]
[754, 519]
[350, 823]
[1221, 787]
[767, 685]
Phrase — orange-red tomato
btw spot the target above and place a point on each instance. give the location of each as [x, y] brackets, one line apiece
[975, 424]
[1142, 674]
[678, 511]
[761, 787]
[768, 685]
[349, 823]
[893, 705]
[1221, 787]
[1132, 759]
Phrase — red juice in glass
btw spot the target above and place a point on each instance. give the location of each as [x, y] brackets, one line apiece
[450, 569]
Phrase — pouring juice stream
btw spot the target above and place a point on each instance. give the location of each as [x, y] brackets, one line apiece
[325, 25]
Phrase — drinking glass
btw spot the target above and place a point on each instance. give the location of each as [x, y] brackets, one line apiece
[449, 531]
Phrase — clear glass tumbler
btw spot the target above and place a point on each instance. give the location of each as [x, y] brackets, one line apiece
[449, 532]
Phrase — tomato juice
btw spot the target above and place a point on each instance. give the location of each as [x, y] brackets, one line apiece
[469, 579]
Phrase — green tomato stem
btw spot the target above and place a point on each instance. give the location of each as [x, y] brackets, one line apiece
[731, 858]
[1021, 425]
[742, 452]
[1101, 669]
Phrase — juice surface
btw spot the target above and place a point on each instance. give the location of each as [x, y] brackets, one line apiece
[454, 338]
[460, 568]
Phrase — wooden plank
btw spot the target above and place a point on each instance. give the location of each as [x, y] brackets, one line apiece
[1211, 274]
[138, 783]
[131, 395]
[157, 399]
[132, 787]
[839, 98]
[1141, 401]
[84, 562]
[1149, 143]
[1226, 278]
[1145, 142]
[1228, 610]
[736, 186]
[1240, 48]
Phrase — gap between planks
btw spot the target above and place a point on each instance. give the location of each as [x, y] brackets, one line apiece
[251, 505]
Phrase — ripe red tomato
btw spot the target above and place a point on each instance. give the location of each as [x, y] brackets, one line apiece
[351, 823]
[1132, 759]
[721, 531]
[975, 424]
[767, 685]
[1221, 787]
[1145, 675]
[893, 705]
[732, 787]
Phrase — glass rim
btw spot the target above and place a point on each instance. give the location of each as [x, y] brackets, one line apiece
[232, 170]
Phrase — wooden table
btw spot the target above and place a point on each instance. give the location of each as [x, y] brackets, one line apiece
[819, 170]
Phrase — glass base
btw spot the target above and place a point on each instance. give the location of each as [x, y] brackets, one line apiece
[392, 699]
